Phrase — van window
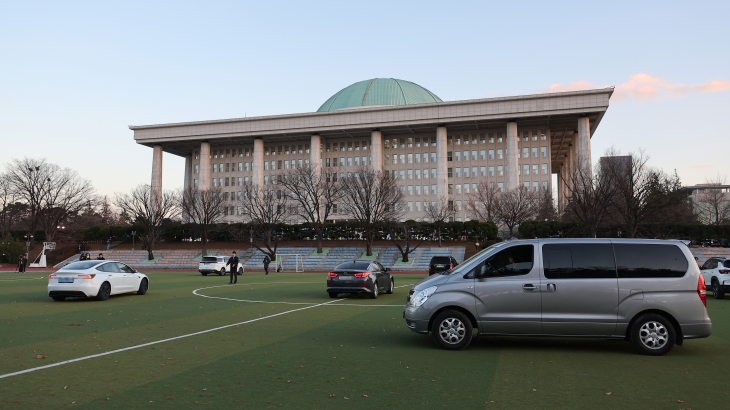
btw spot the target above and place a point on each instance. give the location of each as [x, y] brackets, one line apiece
[512, 261]
[649, 261]
[578, 261]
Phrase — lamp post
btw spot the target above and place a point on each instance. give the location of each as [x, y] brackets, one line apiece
[133, 233]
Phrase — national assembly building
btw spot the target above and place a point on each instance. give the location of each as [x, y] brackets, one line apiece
[435, 149]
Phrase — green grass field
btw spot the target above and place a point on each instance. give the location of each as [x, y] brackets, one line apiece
[350, 353]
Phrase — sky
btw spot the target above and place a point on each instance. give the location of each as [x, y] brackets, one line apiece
[74, 75]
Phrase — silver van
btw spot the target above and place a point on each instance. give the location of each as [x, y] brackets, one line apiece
[649, 292]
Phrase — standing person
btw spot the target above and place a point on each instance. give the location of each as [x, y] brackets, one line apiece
[100, 257]
[108, 243]
[233, 261]
[267, 261]
[20, 263]
[24, 263]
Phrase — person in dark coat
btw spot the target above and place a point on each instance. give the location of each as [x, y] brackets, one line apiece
[267, 261]
[233, 262]
[20, 263]
[100, 257]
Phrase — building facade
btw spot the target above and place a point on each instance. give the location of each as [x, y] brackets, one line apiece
[435, 149]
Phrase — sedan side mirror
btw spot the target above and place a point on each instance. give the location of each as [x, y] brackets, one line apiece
[387, 269]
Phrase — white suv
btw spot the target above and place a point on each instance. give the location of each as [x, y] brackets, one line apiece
[716, 272]
[215, 264]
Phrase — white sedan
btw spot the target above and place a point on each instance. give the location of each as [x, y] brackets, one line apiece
[97, 279]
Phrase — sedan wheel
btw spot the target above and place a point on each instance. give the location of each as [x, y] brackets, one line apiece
[143, 286]
[104, 291]
[391, 287]
[374, 293]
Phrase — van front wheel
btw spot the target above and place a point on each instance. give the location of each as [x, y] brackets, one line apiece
[653, 335]
[452, 330]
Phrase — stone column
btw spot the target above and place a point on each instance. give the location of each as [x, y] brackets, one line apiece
[512, 169]
[204, 175]
[584, 146]
[258, 162]
[315, 152]
[187, 180]
[442, 165]
[156, 185]
[376, 150]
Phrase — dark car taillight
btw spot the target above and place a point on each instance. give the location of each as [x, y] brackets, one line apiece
[332, 274]
[702, 290]
[361, 274]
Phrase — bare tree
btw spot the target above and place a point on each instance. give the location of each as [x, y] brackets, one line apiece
[265, 207]
[315, 193]
[203, 207]
[514, 207]
[371, 197]
[482, 201]
[546, 210]
[642, 192]
[144, 207]
[589, 196]
[403, 235]
[10, 208]
[439, 212]
[51, 193]
[713, 202]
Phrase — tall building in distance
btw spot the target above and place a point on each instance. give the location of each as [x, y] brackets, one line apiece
[435, 149]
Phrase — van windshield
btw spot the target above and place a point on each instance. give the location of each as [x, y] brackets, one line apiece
[468, 264]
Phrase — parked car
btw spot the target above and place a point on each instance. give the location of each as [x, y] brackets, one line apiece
[215, 264]
[716, 272]
[441, 264]
[360, 277]
[649, 292]
[97, 279]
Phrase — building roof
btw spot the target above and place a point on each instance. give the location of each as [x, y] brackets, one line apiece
[379, 91]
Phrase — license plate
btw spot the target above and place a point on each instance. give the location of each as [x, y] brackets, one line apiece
[65, 280]
[440, 266]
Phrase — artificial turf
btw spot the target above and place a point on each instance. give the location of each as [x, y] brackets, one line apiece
[355, 353]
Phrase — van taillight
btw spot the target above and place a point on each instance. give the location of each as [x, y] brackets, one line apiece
[702, 290]
[451, 265]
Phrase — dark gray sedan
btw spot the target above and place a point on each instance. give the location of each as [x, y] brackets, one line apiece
[360, 277]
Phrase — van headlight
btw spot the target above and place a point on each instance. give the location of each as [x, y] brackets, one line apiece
[422, 296]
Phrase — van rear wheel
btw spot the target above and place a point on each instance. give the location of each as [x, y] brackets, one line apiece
[452, 330]
[652, 334]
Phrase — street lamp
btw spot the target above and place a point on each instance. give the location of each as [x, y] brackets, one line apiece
[133, 233]
[27, 237]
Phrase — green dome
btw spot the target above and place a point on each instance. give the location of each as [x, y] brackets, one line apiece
[379, 91]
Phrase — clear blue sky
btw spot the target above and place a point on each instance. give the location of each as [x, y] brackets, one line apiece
[74, 75]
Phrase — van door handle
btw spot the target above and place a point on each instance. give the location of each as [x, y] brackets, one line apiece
[528, 286]
[551, 287]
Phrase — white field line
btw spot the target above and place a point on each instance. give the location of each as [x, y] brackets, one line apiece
[13, 280]
[34, 369]
[195, 292]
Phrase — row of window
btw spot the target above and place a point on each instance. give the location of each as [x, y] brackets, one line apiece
[592, 261]
[468, 172]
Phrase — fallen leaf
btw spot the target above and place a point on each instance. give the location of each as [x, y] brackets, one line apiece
[608, 393]
[342, 378]
[162, 364]
[288, 381]
[364, 395]
[332, 395]
[65, 387]
[534, 389]
[680, 401]
[346, 398]
[40, 356]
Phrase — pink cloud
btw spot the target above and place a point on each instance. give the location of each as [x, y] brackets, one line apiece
[703, 166]
[643, 87]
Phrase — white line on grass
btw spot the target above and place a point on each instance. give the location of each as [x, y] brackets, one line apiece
[159, 341]
[13, 280]
[195, 292]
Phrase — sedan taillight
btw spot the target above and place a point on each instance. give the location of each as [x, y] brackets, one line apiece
[724, 271]
[702, 290]
[332, 274]
[51, 276]
[362, 275]
[87, 275]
